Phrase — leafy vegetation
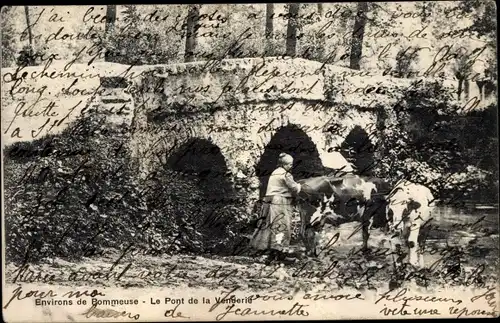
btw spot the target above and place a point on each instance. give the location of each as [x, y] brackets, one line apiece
[8, 38]
[66, 197]
[439, 144]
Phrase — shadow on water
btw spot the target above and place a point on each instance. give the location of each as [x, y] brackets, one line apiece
[479, 219]
[472, 229]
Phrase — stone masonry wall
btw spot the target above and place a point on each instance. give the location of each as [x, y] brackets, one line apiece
[239, 104]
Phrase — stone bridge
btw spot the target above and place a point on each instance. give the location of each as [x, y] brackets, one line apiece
[237, 115]
[232, 116]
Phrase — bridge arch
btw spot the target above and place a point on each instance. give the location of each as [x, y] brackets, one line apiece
[358, 148]
[290, 139]
[203, 160]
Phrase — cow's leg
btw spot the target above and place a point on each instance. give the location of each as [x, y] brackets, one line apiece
[366, 222]
[311, 240]
[366, 232]
[422, 238]
[306, 233]
[412, 243]
[399, 242]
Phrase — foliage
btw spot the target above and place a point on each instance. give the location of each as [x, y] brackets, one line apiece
[29, 57]
[434, 144]
[484, 17]
[404, 61]
[69, 190]
[73, 194]
[139, 43]
[8, 37]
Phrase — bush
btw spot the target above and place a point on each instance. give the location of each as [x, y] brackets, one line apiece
[70, 194]
[435, 145]
[138, 43]
[203, 220]
[73, 194]
[8, 37]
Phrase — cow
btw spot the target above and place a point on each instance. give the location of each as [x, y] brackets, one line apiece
[337, 200]
[368, 200]
[408, 207]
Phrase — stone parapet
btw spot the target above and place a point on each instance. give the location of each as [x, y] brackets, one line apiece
[206, 85]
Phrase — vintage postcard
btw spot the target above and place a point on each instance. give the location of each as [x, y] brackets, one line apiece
[228, 162]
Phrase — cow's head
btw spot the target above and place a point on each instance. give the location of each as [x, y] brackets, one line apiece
[323, 210]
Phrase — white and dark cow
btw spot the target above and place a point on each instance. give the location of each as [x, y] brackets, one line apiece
[370, 201]
[409, 206]
[337, 200]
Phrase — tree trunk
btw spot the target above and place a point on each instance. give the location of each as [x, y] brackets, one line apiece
[321, 46]
[489, 89]
[320, 9]
[459, 91]
[109, 28]
[466, 89]
[269, 28]
[30, 35]
[357, 35]
[424, 12]
[192, 19]
[381, 149]
[480, 85]
[291, 31]
[110, 18]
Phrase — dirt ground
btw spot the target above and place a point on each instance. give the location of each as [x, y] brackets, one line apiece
[339, 265]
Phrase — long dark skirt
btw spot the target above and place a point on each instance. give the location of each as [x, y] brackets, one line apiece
[274, 228]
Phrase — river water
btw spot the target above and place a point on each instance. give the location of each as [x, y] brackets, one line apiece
[474, 228]
[460, 226]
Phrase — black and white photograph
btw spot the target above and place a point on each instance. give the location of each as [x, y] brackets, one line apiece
[266, 161]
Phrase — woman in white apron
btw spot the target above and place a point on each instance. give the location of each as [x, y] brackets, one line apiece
[274, 231]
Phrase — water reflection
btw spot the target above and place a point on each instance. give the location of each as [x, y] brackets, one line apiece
[449, 226]
[475, 220]
[473, 229]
